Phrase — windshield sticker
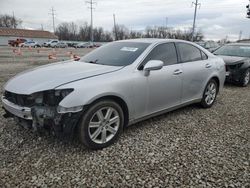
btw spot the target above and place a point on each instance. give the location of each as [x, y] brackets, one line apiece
[129, 49]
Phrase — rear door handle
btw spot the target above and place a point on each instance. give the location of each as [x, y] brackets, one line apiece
[177, 72]
[208, 65]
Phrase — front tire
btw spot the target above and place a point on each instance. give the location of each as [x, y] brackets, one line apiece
[101, 124]
[244, 81]
[210, 94]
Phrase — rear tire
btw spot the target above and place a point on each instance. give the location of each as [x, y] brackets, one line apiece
[209, 94]
[244, 81]
[101, 124]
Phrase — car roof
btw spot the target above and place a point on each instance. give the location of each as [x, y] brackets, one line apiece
[152, 40]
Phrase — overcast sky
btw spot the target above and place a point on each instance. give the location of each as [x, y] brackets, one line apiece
[217, 19]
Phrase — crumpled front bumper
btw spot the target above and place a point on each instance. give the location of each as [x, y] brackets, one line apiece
[62, 125]
[19, 111]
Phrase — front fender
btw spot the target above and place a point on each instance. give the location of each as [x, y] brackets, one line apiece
[88, 90]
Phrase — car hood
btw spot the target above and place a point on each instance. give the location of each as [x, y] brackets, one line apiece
[53, 75]
[233, 60]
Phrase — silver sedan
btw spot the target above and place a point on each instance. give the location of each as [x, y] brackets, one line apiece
[116, 85]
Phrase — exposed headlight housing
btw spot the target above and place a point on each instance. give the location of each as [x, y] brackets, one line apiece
[54, 97]
[63, 110]
[50, 97]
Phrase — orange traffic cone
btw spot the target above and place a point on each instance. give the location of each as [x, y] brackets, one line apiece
[19, 51]
[50, 56]
[76, 57]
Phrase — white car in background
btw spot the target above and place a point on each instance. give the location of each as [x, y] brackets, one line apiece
[51, 43]
[32, 44]
[84, 45]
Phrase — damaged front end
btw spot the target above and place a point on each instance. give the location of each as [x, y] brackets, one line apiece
[41, 111]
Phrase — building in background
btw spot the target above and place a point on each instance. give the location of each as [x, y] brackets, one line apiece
[39, 36]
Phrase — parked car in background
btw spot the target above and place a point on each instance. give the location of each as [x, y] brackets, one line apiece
[30, 44]
[97, 45]
[15, 43]
[116, 85]
[209, 45]
[84, 45]
[61, 44]
[11, 42]
[237, 59]
[72, 44]
[51, 43]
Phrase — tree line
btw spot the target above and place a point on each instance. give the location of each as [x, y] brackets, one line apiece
[82, 32]
[71, 31]
[9, 21]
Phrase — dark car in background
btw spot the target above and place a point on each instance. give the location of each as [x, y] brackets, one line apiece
[237, 59]
[15, 43]
[209, 45]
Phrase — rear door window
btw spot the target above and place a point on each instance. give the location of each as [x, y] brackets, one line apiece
[189, 53]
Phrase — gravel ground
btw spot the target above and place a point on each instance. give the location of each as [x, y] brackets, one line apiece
[190, 147]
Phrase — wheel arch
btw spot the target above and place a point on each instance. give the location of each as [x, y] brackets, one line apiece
[217, 81]
[119, 101]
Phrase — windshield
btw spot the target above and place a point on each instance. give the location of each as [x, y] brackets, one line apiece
[234, 50]
[116, 53]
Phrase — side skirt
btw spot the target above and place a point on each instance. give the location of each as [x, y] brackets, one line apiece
[163, 112]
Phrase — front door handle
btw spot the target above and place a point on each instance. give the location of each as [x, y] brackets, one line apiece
[177, 72]
[208, 65]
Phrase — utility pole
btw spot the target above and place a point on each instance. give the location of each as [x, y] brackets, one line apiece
[240, 35]
[166, 22]
[196, 4]
[13, 20]
[91, 3]
[53, 18]
[115, 27]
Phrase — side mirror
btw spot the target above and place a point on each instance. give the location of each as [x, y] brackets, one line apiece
[152, 65]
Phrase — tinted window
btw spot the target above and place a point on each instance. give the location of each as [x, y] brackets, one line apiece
[163, 52]
[189, 52]
[116, 53]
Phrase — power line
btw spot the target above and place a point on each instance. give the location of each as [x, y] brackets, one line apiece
[53, 17]
[91, 3]
[195, 13]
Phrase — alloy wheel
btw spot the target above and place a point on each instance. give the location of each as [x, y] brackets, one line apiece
[247, 77]
[210, 93]
[104, 125]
